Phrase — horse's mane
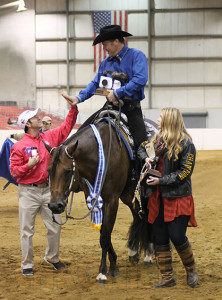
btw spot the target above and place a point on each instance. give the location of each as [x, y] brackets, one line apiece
[70, 139]
[56, 161]
[77, 133]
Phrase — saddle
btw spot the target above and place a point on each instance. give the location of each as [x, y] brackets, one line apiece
[122, 131]
[120, 123]
[114, 114]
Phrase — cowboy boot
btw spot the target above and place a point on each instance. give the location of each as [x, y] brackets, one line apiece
[164, 258]
[186, 254]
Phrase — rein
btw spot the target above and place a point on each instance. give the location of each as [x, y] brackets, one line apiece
[143, 173]
[72, 180]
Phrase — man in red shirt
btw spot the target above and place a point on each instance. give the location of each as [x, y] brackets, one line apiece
[29, 160]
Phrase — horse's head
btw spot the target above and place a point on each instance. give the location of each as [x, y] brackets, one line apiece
[61, 171]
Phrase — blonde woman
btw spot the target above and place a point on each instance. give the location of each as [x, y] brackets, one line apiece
[171, 205]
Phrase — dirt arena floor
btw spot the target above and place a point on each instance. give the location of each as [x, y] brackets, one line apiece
[80, 250]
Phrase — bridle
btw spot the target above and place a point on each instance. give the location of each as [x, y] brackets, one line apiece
[69, 190]
[73, 170]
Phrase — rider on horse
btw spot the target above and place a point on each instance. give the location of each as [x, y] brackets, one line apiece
[124, 60]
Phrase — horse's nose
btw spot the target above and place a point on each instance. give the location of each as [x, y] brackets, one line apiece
[57, 208]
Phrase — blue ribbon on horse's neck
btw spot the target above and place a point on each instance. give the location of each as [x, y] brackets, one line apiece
[96, 214]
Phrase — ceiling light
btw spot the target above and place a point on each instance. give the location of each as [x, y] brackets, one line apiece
[19, 3]
[21, 6]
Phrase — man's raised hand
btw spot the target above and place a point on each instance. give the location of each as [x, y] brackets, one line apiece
[70, 99]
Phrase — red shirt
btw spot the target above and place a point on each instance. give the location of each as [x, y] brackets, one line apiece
[21, 151]
[173, 207]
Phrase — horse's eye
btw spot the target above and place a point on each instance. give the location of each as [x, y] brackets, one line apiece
[67, 171]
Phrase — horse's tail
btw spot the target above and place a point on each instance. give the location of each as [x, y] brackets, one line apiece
[140, 233]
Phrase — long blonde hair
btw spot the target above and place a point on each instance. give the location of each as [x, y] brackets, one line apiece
[172, 131]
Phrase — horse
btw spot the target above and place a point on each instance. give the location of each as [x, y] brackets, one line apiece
[77, 158]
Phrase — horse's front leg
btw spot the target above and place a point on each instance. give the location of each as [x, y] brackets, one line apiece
[101, 278]
[109, 217]
[113, 270]
[105, 243]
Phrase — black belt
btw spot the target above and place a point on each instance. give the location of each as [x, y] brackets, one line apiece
[129, 106]
[41, 185]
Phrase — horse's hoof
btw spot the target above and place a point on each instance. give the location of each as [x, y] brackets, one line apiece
[148, 260]
[101, 278]
[114, 273]
[134, 259]
[147, 263]
[101, 281]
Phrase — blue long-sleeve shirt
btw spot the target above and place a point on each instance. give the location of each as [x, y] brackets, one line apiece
[133, 62]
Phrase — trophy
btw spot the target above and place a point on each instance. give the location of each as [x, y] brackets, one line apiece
[151, 153]
[114, 82]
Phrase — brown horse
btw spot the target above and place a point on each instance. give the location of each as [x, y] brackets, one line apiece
[78, 158]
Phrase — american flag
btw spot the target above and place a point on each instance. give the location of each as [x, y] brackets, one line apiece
[105, 18]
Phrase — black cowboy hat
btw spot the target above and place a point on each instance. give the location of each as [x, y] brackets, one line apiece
[109, 33]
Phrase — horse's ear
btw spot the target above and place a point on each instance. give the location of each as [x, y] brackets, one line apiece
[72, 148]
[49, 148]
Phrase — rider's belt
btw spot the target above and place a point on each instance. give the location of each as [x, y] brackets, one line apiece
[41, 185]
[126, 98]
[132, 105]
